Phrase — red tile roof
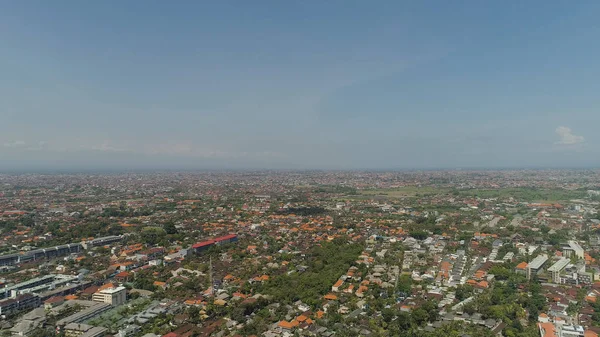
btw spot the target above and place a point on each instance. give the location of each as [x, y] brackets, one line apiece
[203, 244]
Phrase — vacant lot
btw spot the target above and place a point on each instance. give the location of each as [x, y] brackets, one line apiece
[526, 194]
[406, 191]
[518, 193]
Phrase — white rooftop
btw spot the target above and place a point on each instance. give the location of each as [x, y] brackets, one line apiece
[560, 264]
[538, 262]
[111, 290]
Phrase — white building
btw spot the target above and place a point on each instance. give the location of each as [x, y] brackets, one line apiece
[535, 266]
[113, 296]
[573, 249]
[571, 331]
[557, 268]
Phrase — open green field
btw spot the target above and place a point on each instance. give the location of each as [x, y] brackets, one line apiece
[519, 193]
[526, 194]
[406, 191]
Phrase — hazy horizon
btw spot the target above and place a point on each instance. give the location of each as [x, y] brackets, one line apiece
[192, 170]
[341, 85]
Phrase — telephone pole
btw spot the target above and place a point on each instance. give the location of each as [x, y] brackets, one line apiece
[210, 273]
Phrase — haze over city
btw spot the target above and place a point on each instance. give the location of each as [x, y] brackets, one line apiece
[268, 168]
[277, 84]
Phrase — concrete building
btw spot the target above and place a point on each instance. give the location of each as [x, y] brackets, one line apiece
[536, 266]
[68, 289]
[584, 277]
[508, 257]
[205, 245]
[29, 322]
[83, 330]
[21, 302]
[9, 259]
[44, 253]
[571, 331]
[557, 268]
[84, 314]
[113, 296]
[103, 241]
[32, 283]
[36, 285]
[573, 249]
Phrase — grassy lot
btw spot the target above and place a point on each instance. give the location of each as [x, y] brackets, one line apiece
[526, 194]
[521, 194]
[406, 191]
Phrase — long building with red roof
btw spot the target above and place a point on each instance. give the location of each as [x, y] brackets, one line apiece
[205, 245]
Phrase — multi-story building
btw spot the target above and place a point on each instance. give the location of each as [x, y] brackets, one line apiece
[557, 268]
[584, 277]
[101, 241]
[21, 302]
[113, 296]
[536, 266]
[226, 239]
[43, 253]
[205, 245]
[38, 284]
[32, 283]
[573, 249]
[85, 314]
[571, 331]
[9, 259]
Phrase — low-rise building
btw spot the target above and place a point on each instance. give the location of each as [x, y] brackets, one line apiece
[84, 314]
[83, 330]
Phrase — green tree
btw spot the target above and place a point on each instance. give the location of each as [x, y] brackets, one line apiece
[420, 316]
[170, 228]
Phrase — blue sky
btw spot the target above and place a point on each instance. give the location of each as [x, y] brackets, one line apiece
[310, 84]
